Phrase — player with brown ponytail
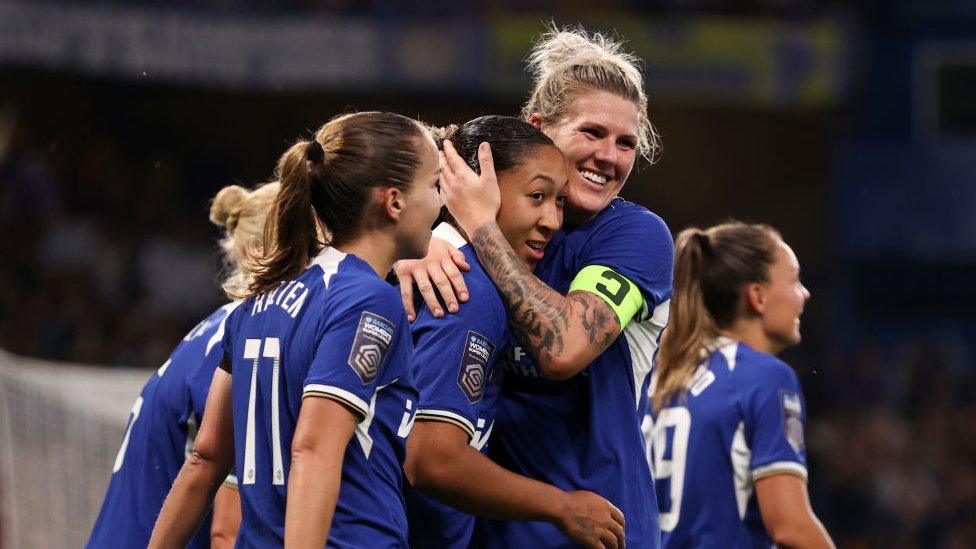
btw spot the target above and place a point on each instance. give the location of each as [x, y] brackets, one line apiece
[744, 254]
[726, 431]
[323, 396]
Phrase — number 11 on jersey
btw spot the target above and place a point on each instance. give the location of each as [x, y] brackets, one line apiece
[253, 352]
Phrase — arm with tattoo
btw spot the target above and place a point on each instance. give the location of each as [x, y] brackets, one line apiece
[562, 333]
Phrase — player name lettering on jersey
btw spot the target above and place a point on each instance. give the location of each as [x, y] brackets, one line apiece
[517, 362]
[290, 296]
[703, 378]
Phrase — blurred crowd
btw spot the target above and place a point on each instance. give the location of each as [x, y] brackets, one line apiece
[892, 444]
[564, 8]
[380, 8]
[106, 260]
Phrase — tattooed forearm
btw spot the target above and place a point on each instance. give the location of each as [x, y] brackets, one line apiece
[542, 318]
[536, 313]
[600, 324]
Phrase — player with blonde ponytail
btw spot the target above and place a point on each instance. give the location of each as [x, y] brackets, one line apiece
[170, 407]
[588, 320]
[727, 443]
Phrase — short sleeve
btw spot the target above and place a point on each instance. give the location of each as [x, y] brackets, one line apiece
[637, 244]
[231, 480]
[775, 416]
[223, 350]
[199, 380]
[358, 337]
[200, 377]
[452, 359]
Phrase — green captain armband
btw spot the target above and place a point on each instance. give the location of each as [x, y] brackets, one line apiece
[622, 295]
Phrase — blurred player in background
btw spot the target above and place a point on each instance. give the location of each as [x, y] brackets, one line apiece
[320, 349]
[589, 324]
[458, 368]
[165, 417]
[727, 434]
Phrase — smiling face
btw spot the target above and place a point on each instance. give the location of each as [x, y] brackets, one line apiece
[784, 298]
[532, 202]
[599, 140]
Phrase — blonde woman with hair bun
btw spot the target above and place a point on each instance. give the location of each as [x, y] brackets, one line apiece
[165, 417]
[242, 215]
[588, 317]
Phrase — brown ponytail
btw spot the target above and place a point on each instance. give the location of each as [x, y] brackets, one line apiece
[710, 269]
[690, 326]
[326, 187]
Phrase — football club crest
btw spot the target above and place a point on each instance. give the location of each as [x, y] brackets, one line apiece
[474, 365]
[373, 338]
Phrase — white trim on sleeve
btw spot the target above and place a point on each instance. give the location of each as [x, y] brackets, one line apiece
[778, 467]
[344, 396]
[448, 416]
[231, 481]
[219, 334]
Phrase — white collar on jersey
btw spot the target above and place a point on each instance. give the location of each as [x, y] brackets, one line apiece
[723, 341]
[328, 256]
[728, 347]
[446, 232]
[328, 259]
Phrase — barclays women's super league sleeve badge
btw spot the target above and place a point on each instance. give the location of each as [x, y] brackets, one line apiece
[792, 419]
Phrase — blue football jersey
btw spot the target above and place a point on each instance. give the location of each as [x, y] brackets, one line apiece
[337, 331]
[162, 422]
[584, 433]
[740, 420]
[456, 363]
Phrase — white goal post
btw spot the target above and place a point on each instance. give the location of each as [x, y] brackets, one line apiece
[61, 425]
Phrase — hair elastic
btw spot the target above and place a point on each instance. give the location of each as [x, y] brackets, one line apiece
[314, 152]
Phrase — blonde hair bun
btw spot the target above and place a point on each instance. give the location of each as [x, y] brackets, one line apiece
[242, 214]
[568, 62]
[226, 206]
[559, 48]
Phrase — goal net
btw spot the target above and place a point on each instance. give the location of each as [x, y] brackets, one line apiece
[60, 428]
